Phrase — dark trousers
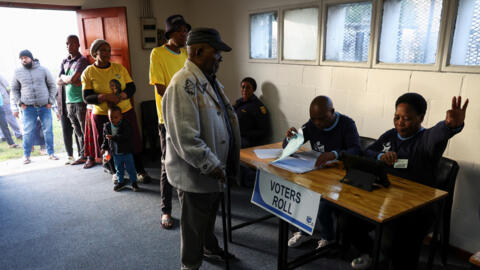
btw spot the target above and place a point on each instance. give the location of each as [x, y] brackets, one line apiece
[76, 115]
[4, 127]
[165, 187]
[402, 239]
[67, 131]
[198, 214]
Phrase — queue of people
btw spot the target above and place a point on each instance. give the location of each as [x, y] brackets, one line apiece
[201, 133]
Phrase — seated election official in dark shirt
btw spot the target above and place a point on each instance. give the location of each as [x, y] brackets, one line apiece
[412, 152]
[330, 133]
[252, 115]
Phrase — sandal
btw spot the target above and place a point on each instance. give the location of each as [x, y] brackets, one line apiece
[167, 222]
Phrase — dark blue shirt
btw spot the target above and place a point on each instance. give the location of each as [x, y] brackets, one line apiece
[423, 151]
[253, 119]
[342, 136]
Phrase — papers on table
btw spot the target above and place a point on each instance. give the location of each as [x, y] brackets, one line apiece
[267, 153]
[298, 163]
[288, 159]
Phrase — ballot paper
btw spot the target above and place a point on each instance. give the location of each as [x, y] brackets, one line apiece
[401, 164]
[293, 145]
[268, 153]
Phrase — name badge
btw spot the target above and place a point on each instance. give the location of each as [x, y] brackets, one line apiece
[401, 164]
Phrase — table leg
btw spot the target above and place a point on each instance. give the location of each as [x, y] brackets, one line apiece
[377, 245]
[282, 245]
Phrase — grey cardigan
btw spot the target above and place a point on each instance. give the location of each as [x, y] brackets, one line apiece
[34, 86]
[197, 135]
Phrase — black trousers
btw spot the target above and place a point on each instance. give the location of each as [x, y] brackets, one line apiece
[165, 187]
[76, 115]
[402, 239]
[67, 131]
[197, 223]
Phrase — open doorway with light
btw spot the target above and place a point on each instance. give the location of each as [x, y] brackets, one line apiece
[43, 29]
[43, 32]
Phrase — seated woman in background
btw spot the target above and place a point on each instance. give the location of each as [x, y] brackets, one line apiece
[252, 115]
[412, 152]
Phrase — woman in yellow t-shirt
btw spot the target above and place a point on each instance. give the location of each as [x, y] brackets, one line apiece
[100, 84]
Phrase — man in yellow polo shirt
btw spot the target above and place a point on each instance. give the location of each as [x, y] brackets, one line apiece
[165, 61]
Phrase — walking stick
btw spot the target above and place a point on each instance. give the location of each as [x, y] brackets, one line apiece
[224, 224]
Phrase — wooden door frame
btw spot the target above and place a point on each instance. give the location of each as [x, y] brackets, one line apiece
[39, 6]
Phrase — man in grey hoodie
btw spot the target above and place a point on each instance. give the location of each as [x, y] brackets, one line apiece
[34, 91]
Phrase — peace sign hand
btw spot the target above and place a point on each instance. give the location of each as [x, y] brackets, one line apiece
[456, 115]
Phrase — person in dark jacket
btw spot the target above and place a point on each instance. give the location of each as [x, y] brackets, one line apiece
[412, 152]
[252, 115]
[329, 133]
[117, 142]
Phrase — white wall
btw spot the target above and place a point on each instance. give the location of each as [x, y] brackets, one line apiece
[366, 95]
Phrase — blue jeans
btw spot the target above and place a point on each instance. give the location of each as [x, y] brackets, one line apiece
[29, 119]
[123, 162]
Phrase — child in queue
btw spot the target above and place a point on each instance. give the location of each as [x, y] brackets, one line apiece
[117, 134]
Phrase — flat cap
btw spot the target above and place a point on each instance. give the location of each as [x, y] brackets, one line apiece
[209, 36]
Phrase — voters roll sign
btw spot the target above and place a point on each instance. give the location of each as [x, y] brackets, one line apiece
[293, 203]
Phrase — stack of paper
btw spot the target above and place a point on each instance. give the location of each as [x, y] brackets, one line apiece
[298, 163]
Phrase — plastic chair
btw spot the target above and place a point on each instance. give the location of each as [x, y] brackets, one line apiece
[365, 142]
[150, 135]
[446, 175]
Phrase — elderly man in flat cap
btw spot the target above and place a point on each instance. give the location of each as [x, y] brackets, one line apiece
[34, 91]
[203, 144]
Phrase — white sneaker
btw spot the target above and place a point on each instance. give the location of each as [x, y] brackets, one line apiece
[297, 239]
[322, 243]
[114, 178]
[70, 160]
[52, 157]
[362, 262]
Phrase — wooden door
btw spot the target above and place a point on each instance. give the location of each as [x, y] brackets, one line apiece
[105, 23]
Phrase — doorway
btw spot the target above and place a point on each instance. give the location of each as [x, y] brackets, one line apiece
[43, 32]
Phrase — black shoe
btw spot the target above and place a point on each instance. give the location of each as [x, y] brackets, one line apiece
[135, 187]
[119, 186]
[218, 255]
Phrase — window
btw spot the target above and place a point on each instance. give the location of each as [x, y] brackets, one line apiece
[466, 38]
[300, 34]
[263, 35]
[348, 32]
[410, 30]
